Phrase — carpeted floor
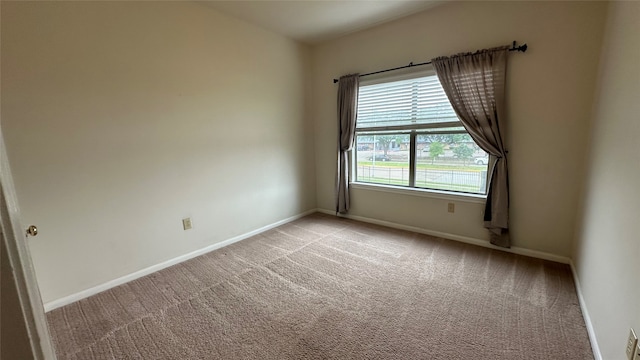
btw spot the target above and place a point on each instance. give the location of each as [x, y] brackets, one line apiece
[329, 288]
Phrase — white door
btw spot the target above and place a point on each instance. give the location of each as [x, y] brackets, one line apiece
[23, 289]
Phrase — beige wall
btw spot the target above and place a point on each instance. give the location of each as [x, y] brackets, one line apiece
[550, 89]
[608, 246]
[121, 118]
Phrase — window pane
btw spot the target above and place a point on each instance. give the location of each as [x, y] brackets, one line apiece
[450, 162]
[383, 158]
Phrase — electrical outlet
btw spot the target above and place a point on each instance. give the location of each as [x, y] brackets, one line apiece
[632, 342]
[637, 354]
[451, 207]
[186, 223]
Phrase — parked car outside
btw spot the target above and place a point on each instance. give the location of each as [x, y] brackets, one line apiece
[481, 160]
[379, 157]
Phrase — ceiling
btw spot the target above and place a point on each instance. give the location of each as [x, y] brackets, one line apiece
[314, 21]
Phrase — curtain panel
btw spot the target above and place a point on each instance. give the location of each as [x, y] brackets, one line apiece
[475, 86]
[348, 87]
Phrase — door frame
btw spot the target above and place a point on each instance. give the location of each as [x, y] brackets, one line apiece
[20, 262]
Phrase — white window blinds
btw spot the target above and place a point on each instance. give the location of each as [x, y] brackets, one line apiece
[405, 104]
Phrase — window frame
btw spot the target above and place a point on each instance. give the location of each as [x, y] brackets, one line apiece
[413, 133]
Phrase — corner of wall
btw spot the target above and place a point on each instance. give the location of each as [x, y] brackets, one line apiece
[586, 164]
[605, 245]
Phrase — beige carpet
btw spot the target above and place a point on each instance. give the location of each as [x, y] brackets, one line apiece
[328, 288]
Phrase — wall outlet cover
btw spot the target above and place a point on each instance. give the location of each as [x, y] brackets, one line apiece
[637, 353]
[186, 224]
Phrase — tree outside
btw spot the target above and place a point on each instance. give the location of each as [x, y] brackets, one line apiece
[385, 141]
[435, 149]
[463, 152]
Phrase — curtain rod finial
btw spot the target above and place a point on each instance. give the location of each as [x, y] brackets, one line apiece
[522, 48]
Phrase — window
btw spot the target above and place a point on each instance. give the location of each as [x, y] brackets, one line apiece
[408, 135]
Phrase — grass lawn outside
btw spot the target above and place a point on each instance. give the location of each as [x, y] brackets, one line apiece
[447, 177]
[422, 184]
[426, 166]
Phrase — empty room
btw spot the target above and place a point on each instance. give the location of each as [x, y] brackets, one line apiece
[320, 180]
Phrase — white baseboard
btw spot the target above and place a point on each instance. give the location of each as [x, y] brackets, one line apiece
[585, 314]
[464, 239]
[146, 271]
[163, 265]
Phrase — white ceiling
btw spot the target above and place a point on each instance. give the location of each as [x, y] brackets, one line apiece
[314, 21]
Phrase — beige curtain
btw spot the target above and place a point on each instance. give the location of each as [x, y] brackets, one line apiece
[474, 84]
[348, 87]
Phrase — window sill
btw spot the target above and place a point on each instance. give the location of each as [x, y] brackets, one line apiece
[434, 194]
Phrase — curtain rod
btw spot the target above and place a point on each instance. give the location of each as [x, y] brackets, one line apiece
[521, 48]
